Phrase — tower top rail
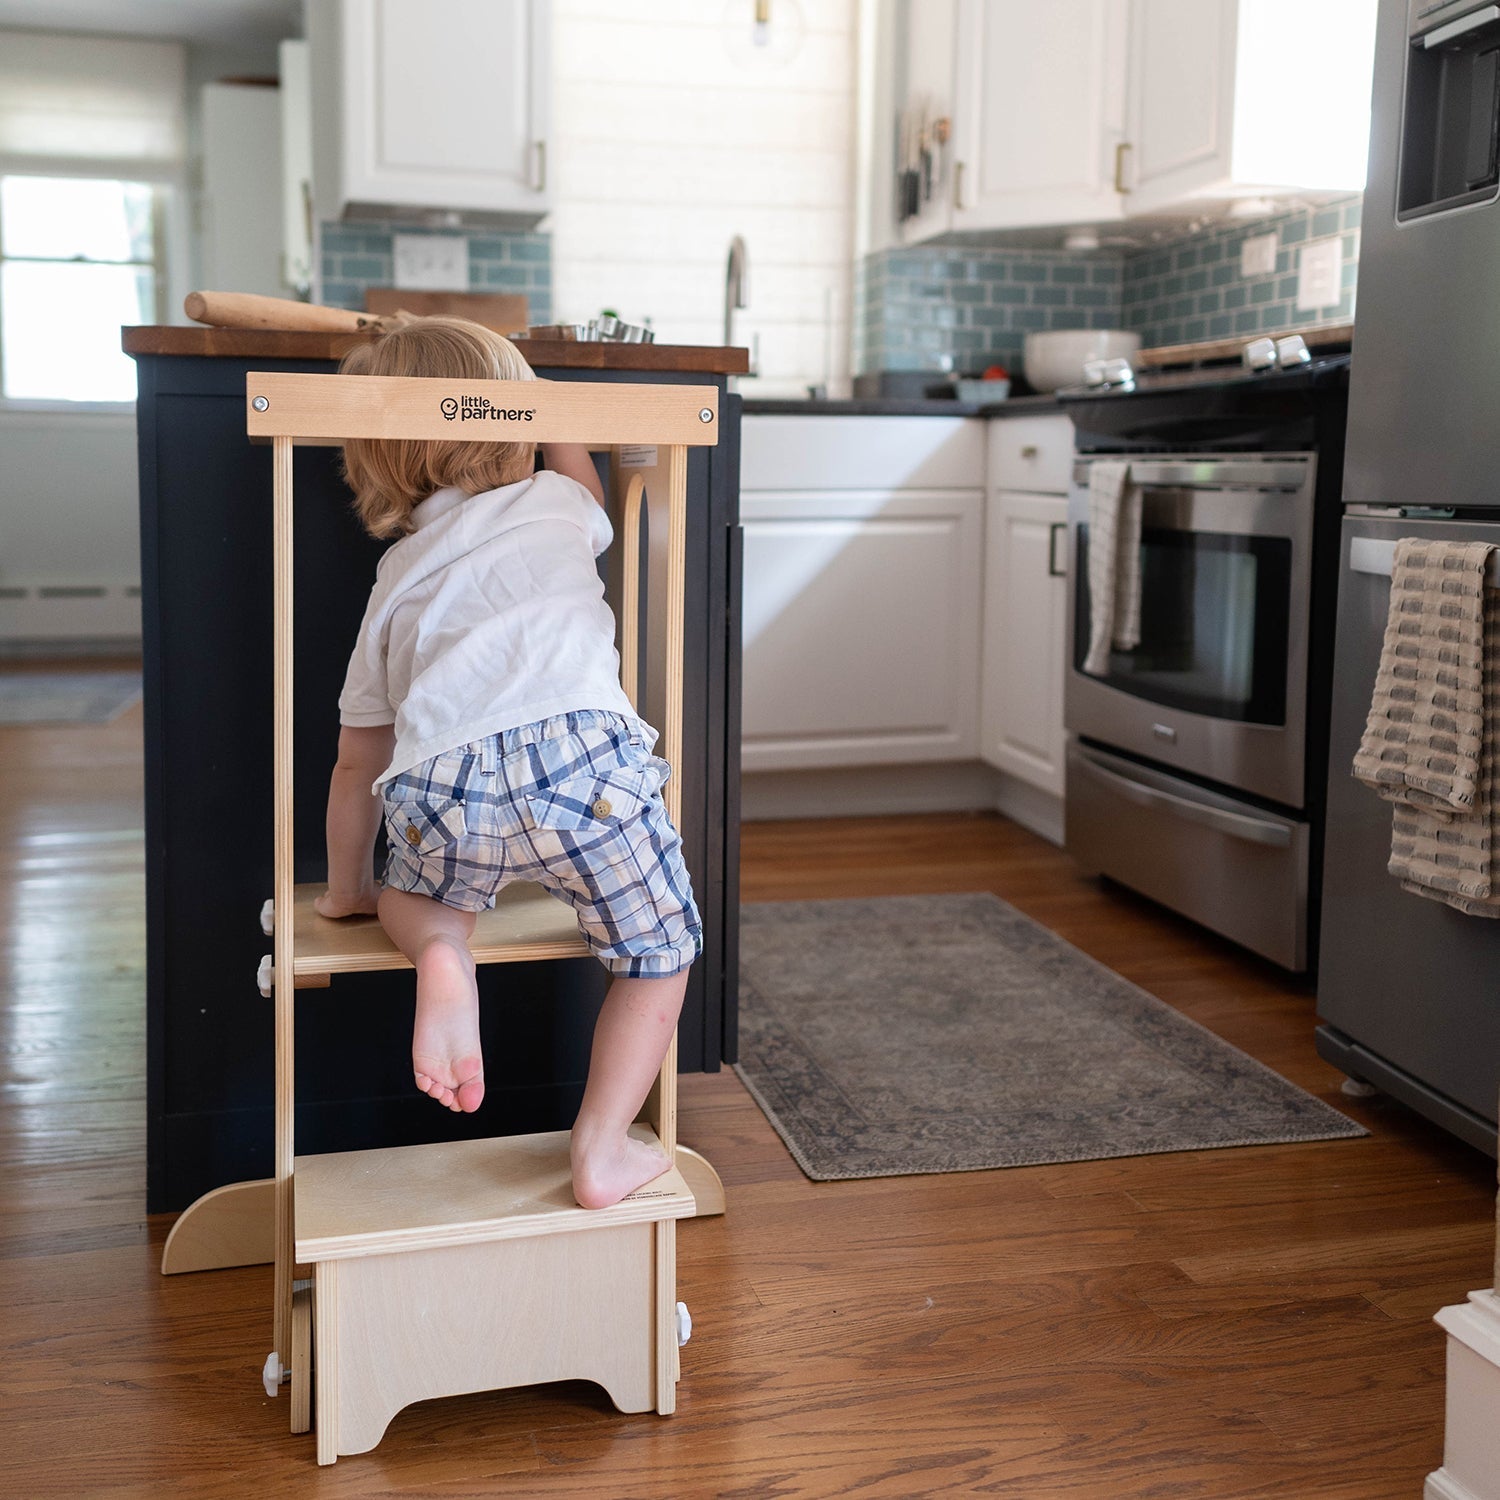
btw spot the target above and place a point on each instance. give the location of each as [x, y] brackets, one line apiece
[331, 408]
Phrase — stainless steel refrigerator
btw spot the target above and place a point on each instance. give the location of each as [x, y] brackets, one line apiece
[1409, 989]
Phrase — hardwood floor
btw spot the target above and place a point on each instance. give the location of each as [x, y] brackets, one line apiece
[1216, 1325]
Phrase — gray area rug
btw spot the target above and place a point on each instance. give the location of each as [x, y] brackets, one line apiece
[951, 1034]
[66, 697]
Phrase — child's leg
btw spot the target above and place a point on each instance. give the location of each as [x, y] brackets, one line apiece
[631, 1037]
[445, 1052]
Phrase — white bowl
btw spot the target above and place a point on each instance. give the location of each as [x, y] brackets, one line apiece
[1057, 359]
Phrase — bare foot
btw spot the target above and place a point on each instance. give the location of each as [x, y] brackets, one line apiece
[606, 1170]
[336, 906]
[445, 1053]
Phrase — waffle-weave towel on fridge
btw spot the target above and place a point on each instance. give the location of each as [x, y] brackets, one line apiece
[1433, 732]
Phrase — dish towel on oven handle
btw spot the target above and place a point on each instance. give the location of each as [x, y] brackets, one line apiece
[1431, 744]
[1114, 563]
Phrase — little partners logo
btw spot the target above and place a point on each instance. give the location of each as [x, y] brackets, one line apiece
[481, 408]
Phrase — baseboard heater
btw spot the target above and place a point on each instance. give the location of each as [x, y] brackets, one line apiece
[70, 611]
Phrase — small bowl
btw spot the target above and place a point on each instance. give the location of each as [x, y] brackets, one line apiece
[981, 391]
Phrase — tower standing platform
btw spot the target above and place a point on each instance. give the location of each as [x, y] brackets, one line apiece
[450, 1268]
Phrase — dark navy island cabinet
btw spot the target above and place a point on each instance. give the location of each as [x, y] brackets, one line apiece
[206, 608]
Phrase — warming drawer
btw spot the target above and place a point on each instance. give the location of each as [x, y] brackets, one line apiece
[1239, 870]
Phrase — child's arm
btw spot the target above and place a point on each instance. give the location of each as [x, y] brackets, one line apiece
[353, 817]
[572, 461]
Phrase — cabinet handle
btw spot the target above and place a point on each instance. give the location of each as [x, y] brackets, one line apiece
[1030, 450]
[539, 182]
[1053, 571]
[958, 185]
[1120, 149]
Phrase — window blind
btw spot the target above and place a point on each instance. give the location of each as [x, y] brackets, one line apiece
[98, 101]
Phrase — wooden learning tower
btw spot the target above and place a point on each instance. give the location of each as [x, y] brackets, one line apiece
[406, 1273]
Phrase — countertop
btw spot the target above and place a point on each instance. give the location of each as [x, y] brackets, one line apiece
[1327, 338]
[557, 354]
[898, 406]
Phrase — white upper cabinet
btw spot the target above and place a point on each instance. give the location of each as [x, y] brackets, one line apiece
[1039, 112]
[1217, 111]
[431, 104]
[1064, 112]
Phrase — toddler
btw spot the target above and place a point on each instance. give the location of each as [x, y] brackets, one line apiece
[482, 715]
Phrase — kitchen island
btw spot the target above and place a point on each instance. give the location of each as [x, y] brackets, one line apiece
[206, 630]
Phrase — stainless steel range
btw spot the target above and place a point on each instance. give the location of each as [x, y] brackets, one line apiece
[1197, 755]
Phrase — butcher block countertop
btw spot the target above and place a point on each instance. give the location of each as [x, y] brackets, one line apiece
[556, 354]
[1327, 336]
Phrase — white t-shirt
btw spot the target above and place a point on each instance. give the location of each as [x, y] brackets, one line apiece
[490, 615]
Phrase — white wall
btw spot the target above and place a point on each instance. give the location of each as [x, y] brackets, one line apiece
[69, 510]
[69, 517]
[671, 134]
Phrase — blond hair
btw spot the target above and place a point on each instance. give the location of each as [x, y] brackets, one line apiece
[390, 476]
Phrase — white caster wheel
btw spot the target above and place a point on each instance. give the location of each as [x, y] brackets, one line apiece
[268, 916]
[1357, 1088]
[265, 976]
[684, 1324]
[270, 1376]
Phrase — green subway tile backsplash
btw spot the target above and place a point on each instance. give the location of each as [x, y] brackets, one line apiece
[919, 307]
[358, 256]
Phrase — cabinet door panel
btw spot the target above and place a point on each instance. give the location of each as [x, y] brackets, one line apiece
[470, 136]
[1182, 98]
[861, 628]
[1025, 598]
[1039, 147]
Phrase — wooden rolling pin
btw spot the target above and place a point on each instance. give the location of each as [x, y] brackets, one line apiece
[247, 310]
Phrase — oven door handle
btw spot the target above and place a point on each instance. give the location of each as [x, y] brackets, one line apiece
[1236, 825]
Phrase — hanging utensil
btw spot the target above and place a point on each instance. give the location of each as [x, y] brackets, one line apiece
[924, 153]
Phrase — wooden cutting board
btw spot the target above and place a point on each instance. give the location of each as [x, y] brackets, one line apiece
[505, 312]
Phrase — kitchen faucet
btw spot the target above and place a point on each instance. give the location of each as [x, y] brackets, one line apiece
[736, 285]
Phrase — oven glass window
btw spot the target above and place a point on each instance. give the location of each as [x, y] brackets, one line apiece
[1214, 621]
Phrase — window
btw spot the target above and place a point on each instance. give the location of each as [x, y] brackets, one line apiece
[79, 257]
[92, 149]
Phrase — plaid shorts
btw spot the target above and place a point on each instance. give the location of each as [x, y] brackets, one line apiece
[573, 803]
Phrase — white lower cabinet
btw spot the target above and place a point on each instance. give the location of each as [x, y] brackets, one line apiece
[861, 627]
[904, 601]
[1025, 599]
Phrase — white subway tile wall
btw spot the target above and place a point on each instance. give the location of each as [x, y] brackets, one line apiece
[672, 133]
